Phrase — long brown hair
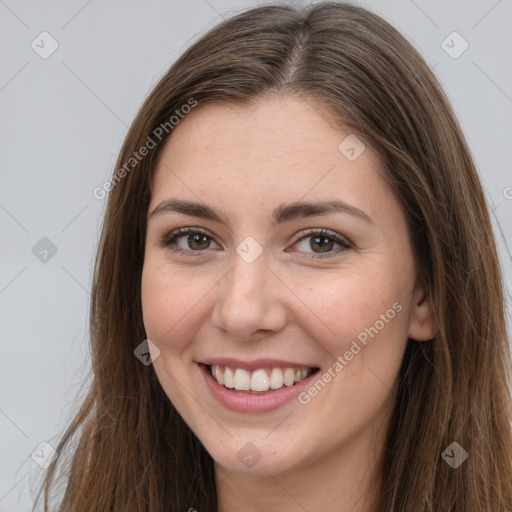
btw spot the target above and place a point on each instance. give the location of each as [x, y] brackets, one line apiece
[131, 451]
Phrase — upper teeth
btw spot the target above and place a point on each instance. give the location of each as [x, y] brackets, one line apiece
[258, 380]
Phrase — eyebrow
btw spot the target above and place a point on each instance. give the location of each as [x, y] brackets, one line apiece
[284, 213]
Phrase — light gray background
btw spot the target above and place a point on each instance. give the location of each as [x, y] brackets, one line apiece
[63, 120]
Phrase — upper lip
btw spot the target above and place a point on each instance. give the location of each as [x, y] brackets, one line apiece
[254, 364]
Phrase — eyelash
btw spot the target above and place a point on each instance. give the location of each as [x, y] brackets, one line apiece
[169, 240]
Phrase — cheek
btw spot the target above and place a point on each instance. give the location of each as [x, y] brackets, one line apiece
[167, 302]
[168, 315]
[354, 301]
[360, 320]
[362, 324]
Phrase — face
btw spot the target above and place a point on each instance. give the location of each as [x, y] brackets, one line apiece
[305, 310]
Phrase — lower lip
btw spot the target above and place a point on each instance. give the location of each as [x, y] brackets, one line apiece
[243, 402]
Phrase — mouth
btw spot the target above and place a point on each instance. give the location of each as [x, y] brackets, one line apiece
[258, 381]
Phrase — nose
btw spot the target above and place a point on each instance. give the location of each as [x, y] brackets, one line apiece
[249, 300]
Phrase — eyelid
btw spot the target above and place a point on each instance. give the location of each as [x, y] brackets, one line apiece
[324, 232]
[341, 240]
[167, 239]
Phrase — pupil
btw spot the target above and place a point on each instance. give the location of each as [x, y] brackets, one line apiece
[323, 242]
[199, 239]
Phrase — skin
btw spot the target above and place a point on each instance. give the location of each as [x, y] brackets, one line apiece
[287, 304]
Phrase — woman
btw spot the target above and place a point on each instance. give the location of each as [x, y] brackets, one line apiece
[297, 239]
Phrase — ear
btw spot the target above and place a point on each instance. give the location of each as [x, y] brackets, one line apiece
[422, 326]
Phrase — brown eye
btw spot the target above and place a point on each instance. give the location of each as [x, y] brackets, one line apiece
[187, 240]
[198, 241]
[322, 242]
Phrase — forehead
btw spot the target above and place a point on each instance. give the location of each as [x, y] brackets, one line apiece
[280, 147]
[278, 125]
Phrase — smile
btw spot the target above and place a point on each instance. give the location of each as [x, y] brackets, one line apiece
[260, 380]
[258, 388]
